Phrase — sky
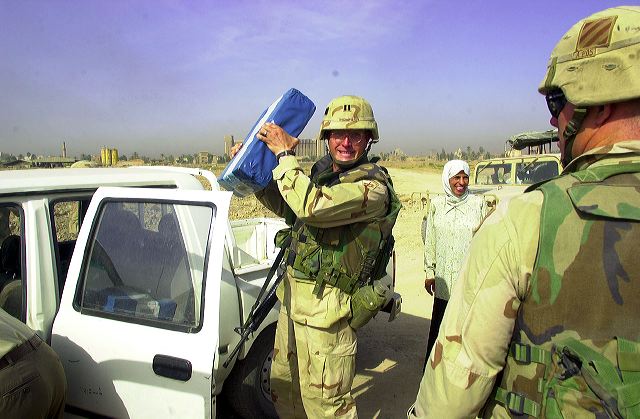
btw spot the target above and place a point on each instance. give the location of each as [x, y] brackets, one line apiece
[171, 77]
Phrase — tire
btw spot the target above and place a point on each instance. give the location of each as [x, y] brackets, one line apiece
[247, 389]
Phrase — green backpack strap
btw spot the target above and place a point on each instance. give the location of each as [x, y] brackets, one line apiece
[629, 365]
[526, 354]
[629, 359]
[516, 403]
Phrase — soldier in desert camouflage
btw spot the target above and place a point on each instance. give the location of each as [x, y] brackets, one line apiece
[543, 320]
[341, 215]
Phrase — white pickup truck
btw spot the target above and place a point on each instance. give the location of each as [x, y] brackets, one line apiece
[138, 280]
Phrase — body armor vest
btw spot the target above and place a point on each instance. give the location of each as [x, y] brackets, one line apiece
[347, 256]
[573, 351]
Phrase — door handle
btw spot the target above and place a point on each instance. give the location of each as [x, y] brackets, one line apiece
[172, 367]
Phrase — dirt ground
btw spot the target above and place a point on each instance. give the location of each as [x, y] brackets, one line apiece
[390, 355]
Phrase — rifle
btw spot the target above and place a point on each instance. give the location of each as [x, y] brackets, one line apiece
[262, 307]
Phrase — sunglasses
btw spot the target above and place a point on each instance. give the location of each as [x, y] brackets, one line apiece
[555, 102]
[355, 137]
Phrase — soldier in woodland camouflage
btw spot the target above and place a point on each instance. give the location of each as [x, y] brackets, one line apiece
[341, 217]
[543, 320]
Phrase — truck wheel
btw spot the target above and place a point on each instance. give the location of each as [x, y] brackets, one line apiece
[248, 388]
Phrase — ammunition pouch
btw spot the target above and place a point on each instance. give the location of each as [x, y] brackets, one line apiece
[281, 237]
[365, 304]
[308, 267]
[316, 258]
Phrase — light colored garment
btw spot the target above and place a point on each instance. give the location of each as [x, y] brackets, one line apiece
[12, 332]
[478, 325]
[450, 227]
[313, 367]
[32, 383]
[452, 168]
[322, 206]
[315, 348]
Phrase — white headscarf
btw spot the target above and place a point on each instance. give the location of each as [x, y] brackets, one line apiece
[452, 168]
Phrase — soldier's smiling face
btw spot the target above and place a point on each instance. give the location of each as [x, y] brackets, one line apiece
[348, 145]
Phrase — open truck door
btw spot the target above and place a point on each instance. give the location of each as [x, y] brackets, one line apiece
[138, 322]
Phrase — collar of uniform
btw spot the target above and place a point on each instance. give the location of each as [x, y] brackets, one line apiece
[286, 163]
[602, 155]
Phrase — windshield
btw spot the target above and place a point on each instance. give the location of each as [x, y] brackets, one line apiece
[526, 172]
[493, 174]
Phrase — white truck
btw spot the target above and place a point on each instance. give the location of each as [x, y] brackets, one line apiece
[138, 280]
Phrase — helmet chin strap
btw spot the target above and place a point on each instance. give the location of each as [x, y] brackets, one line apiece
[570, 132]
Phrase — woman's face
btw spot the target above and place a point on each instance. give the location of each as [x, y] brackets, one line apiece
[459, 183]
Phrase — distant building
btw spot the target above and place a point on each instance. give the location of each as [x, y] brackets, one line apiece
[108, 156]
[310, 148]
[52, 161]
[203, 157]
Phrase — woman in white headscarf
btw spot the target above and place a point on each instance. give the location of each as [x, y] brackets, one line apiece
[451, 220]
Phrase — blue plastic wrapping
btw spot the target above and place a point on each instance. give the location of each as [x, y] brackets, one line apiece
[250, 170]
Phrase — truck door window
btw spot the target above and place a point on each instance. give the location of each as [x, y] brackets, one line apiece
[146, 264]
[11, 260]
[67, 216]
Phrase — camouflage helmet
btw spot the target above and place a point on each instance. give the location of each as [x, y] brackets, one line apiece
[598, 60]
[349, 112]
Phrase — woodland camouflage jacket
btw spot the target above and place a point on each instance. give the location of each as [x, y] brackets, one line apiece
[293, 196]
[478, 325]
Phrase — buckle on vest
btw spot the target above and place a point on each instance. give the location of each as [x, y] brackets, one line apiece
[571, 364]
[521, 353]
[515, 403]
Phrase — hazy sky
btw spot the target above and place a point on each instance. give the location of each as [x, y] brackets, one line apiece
[163, 76]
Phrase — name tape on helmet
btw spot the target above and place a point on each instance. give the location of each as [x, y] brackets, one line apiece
[594, 34]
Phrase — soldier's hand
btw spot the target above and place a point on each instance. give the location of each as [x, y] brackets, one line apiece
[430, 285]
[234, 150]
[276, 138]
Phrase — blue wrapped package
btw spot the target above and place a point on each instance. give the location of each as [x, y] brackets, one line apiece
[250, 170]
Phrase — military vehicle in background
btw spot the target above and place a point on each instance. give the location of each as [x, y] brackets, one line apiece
[501, 178]
[527, 160]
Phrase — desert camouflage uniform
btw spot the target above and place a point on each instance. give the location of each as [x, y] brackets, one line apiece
[315, 348]
[32, 381]
[479, 322]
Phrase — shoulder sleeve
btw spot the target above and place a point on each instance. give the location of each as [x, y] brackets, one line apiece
[468, 355]
[324, 206]
[270, 197]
